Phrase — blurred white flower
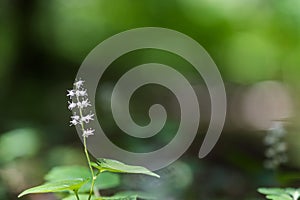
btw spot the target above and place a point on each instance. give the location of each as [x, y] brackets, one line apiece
[270, 139]
[88, 132]
[276, 147]
[270, 153]
[81, 93]
[72, 105]
[71, 93]
[84, 103]
[281, 147]
[78, 84]
[76, 117]
[87, 118]
[74, 122]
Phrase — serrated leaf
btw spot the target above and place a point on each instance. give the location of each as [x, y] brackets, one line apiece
[119, 167]
[56, 186]
[103, 181]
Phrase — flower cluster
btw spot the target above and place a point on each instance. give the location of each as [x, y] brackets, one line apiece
[79, 100]
[276, 147]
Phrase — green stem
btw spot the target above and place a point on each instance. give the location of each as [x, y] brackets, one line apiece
[87, 154]
[76, 194]
[91, 169]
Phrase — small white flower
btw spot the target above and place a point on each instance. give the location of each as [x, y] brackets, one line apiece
[78, 84]
[270, 139]
[71, 105]
[71, 93]
[278, 129]
[76, 117]
[74, 122]
[81, 93]
[88, 132]
[270, 152]
[85, 103]
[281, 147]
[87, 118]
[79, 105]
[269, 164]
[283, 159]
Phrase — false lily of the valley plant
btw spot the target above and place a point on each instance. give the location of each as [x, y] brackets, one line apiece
[85, 183]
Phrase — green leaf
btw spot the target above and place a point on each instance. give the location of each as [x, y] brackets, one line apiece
[280, 194]
[121, 197]
[26, 138]
[134, 194]
[271, 191]
[81, 196]
[103, 181]
[67, 172]
[115, 197]
[56, 186]
[280, 197]
[127, 195]
[118, 167]
[290, 191]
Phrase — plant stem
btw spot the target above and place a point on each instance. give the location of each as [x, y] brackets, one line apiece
[76, 194]
[91, 169]
[87, 154]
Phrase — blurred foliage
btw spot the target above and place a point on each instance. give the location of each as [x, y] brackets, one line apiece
[280, 194]
[76, 179]
[18, 143]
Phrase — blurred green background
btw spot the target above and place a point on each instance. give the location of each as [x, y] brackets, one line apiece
[255, 44]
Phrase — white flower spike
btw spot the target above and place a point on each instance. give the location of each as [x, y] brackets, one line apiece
[276, 146]
[79, 104]
[81, 101]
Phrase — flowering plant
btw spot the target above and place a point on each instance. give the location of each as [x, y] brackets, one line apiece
[77, 182]
[276, 155]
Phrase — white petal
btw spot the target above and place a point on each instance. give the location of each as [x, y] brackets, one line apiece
[79, 83]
